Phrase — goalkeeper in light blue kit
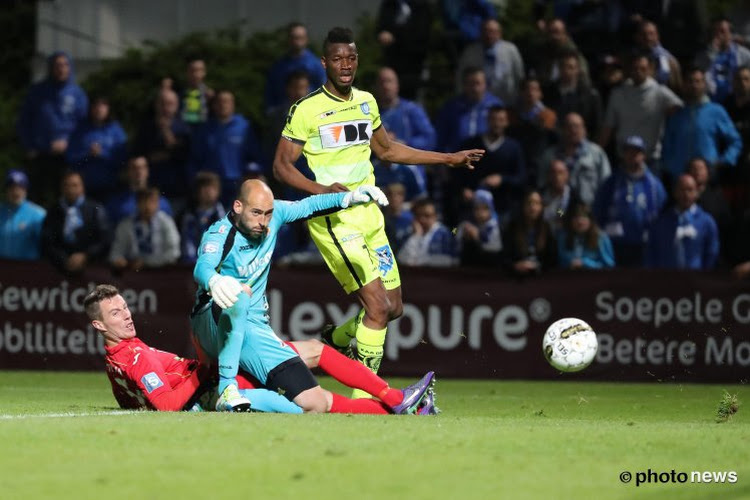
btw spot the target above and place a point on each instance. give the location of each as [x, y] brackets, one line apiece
[230, 317]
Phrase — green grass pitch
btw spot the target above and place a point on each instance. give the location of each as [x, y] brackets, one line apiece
[61, 436]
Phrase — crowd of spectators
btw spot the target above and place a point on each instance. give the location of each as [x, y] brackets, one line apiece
[610, 142]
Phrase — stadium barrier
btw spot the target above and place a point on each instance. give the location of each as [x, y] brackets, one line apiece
[651, 325]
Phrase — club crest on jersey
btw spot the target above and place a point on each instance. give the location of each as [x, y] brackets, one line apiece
[342, 134]
[385, 259]
[365, 108]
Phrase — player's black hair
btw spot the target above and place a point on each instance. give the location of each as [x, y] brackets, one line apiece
[338, 35]
[95, 296]
[497, 108]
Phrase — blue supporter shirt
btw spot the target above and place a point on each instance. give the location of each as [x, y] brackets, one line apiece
[21, 230]
[625, 206]
[460, 119]
[410, 124]
[687, 240]
[247, 259]
[703, 130]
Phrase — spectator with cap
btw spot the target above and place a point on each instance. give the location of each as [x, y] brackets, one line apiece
[721, 59]
[98, 149]
[639, 107]
[500, 59]
[479, 238]
[123, 204]
[702, 128]
[49, 115]
[298, 57]
[20, 220]
[628, 202]
[76, 231]
[684, 237]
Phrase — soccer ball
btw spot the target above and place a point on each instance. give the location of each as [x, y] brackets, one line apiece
[569, 345]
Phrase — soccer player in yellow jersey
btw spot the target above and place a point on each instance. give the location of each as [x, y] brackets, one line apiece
[337, 127]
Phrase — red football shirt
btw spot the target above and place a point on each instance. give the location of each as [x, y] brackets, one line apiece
[144, 377]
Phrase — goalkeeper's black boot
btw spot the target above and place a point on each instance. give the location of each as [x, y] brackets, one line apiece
[326, 336]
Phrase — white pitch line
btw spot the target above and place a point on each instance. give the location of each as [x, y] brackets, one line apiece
[69, 414]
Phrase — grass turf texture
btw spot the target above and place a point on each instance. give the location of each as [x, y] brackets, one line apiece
[494, 440]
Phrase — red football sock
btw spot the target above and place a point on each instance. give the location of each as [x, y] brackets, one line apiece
[342, 404]
[357, 376]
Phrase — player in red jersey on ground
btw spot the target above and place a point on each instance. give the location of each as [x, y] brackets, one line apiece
[144, 377]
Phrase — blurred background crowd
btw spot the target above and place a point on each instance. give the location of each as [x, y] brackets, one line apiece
[617, 134]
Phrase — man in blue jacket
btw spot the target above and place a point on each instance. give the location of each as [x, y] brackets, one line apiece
[50, 113]
[465, 115]
[298, 57]
[701, 129]
[20, 220]
[627, 204]
[686, 236]
[226, 145]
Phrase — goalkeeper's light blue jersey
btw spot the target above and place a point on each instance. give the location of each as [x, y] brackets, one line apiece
[227, 251]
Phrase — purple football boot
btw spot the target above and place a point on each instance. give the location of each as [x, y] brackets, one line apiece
[414, 394]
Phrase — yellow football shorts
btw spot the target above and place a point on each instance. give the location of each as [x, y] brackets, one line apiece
[355, 248]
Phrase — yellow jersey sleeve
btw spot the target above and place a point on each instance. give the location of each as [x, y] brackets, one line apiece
[295, 128]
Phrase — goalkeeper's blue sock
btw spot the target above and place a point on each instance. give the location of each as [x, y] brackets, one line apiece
[269, 401]
[232, 323]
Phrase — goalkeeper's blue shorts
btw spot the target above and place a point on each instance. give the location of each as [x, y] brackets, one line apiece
[262, 350]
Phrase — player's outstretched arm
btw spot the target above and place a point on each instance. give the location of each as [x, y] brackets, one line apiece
[320, 204]
[396, 152]
[287, 153]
